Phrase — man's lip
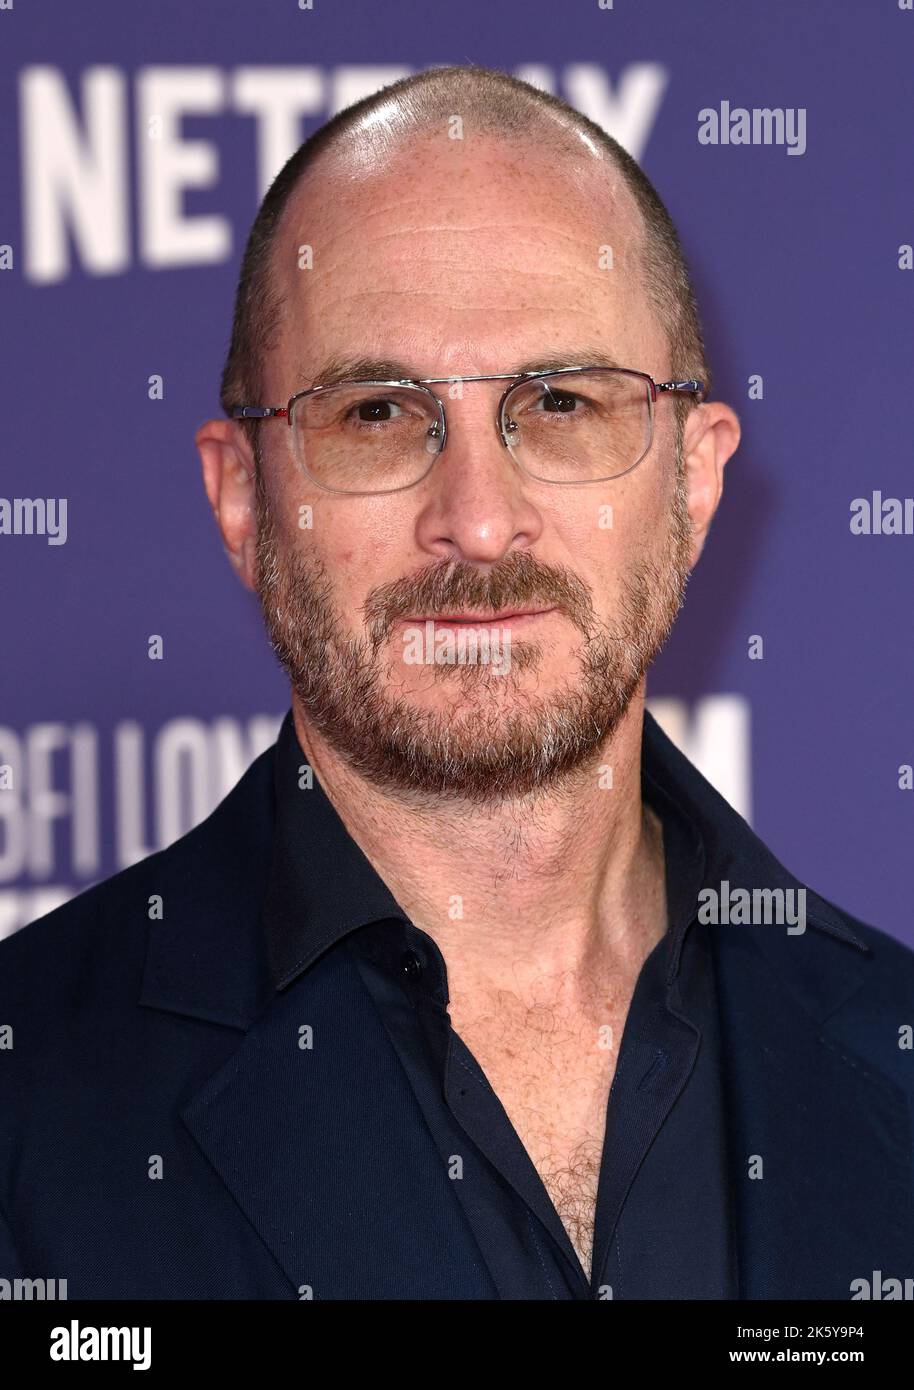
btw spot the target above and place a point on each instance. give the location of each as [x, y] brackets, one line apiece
[478, 619]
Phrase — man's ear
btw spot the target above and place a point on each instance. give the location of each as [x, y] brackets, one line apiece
[228, 476]
[712, 435]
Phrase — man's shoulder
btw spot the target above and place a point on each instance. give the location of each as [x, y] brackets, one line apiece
[858, 987]
[834, 943]
[884, 945]
[889, 962]
[102, 932]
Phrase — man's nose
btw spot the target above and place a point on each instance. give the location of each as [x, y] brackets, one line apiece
[478, 504]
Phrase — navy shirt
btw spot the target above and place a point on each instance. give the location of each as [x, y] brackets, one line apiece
[663, 1222]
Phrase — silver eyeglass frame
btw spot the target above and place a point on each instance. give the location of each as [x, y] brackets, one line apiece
[504, 426]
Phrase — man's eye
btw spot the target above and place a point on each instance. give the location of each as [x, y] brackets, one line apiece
[559, 402]
[375, 412]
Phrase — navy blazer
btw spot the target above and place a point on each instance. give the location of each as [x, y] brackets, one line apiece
[161, 1047]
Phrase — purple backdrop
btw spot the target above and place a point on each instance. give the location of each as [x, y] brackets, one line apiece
[138, 143]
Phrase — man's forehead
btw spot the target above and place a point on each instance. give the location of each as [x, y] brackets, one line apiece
[476, 183]
[589, 267]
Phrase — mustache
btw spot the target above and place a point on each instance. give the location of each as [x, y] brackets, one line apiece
[452, 585]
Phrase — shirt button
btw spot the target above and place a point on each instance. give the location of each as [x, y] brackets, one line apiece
[411, 965]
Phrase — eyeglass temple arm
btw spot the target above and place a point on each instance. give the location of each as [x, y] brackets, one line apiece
[259, 412]
[691, 387]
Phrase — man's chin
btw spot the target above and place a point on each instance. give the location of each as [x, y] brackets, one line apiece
[479, 744]
[469, 764]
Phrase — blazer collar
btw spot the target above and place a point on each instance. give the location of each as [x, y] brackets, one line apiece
[734, 852]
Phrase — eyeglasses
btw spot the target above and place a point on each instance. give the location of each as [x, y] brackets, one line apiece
[573, 425]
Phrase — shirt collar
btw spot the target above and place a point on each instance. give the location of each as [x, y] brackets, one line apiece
[322, 887]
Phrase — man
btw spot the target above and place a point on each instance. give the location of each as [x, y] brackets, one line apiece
[437, 1004]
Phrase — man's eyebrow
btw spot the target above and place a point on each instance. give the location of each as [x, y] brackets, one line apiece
[342, 368]
[357, 368]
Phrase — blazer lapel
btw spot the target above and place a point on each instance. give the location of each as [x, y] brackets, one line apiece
[325, 1151]
[322, 1147]
[820, 1149]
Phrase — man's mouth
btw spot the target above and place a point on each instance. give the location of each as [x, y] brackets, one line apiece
[509, 616]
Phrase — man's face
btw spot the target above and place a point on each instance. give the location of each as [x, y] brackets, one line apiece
[464, 258]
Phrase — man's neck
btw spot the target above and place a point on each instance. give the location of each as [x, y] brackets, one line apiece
[566, 887]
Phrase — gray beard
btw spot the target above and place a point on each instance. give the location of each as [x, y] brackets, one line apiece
[498, 740]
